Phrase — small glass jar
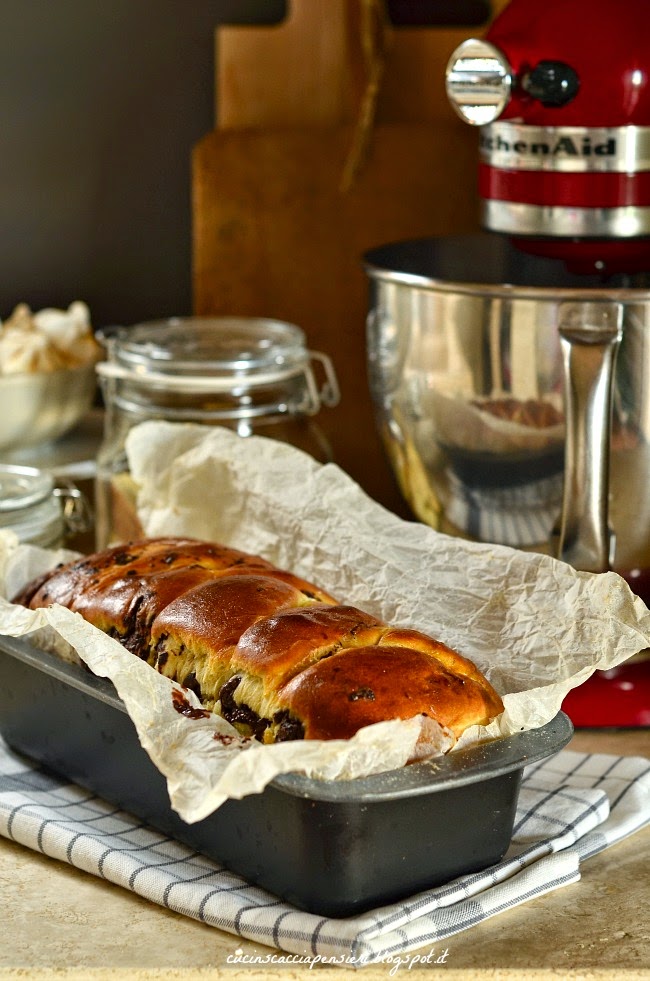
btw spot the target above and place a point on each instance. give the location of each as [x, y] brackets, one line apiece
[252, 375]
[38, 511]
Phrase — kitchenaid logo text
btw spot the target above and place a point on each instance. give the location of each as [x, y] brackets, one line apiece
[562, 146]
[621, 149]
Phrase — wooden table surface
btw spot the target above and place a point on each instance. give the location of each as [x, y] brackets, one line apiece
[60, 922]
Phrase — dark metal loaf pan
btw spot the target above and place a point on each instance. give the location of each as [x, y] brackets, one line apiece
[331, 847]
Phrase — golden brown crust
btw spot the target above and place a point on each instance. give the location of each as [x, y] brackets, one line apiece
[121, 589]
[276, 655]
[279, 646]
[197, 633]
[339, 695]
[450, 659]
[76, 584]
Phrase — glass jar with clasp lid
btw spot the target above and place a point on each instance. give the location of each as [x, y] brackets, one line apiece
[39, 509]
[253, 375]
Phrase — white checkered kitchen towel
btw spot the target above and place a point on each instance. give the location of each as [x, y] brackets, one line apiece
[571, 806]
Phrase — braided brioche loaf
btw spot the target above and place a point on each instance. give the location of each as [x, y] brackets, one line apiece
[276, 656]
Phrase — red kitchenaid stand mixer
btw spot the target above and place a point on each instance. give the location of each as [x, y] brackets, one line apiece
[561, 93]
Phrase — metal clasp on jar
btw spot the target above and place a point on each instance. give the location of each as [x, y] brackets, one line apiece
[76, 510]
[329, 393]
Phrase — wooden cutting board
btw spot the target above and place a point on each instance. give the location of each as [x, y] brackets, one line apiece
[274, 233]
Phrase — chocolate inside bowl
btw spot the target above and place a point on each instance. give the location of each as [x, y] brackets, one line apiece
[334, 848]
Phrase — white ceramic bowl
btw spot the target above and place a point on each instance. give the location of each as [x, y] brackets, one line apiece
[42, 406]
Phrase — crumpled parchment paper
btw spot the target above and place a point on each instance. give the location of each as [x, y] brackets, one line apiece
[535, 626]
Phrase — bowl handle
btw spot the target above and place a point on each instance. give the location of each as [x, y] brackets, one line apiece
[590, 335]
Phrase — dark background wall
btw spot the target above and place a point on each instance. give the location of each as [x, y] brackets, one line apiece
[101, 102]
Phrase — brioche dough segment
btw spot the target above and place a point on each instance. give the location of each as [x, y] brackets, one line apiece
[278, 657]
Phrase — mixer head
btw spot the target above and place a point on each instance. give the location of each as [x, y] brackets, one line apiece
[561, 93]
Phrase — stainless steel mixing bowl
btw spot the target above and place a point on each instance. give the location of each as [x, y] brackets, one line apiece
[513, 397]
